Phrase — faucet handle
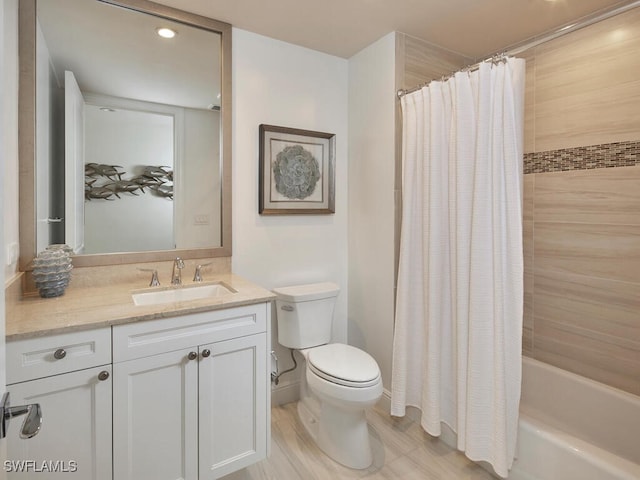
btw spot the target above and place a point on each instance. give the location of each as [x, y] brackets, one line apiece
[154, 276]
[197, 276]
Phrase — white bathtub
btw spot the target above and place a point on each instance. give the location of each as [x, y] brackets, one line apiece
[572, 428]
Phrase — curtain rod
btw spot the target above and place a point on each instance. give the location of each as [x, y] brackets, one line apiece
[530, 43]
[495, 59]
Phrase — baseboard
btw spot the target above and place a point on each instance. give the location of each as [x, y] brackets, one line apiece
[287, 393]
[384, 403]
[411, 413]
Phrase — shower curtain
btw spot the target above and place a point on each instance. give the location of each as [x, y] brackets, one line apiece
[457, 341]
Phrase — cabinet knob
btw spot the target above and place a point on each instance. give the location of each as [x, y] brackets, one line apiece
[206, 352]
[59, 354]
[192, 355]
[103, 375]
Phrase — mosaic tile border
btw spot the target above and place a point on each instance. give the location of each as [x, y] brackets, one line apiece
[619, 154]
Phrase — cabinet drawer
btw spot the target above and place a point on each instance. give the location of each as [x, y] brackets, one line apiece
[143, 339]
[33, 358]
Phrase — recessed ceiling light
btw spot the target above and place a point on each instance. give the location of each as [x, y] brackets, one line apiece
[165, 32]
[106, 109]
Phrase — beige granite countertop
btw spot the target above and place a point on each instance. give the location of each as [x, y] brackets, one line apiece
[84, 307]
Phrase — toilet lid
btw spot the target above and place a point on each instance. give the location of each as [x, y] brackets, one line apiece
[344, 365]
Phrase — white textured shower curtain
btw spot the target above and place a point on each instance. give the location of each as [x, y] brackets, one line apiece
[457, 343]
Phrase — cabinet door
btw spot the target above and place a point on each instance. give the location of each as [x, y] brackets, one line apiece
[75, 436]
[233, 405]
[155, 413]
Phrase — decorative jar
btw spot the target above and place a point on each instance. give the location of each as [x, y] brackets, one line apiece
[52, 270]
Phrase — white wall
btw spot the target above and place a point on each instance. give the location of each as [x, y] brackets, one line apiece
[8, 160]
[198, 212]
[49, 147]
[44, 139]
[371, 200]
[9, 143]
[132, 140]
[282, 84]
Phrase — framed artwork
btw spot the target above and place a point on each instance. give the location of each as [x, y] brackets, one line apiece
[297, 171]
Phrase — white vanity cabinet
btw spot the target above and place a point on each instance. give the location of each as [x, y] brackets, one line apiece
[190, 394]
[233, 405]
[69, 375]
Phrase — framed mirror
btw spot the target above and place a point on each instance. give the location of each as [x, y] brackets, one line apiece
[125, 135]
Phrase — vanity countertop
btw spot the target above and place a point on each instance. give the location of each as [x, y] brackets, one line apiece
[82, 308]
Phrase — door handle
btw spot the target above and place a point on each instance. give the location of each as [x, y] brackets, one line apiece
[32, 422]
[55, 220]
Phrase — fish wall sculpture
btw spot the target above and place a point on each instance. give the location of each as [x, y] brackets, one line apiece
[158, 179]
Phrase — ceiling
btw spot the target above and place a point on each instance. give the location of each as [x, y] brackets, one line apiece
[116, 52]
[136, 63]
[474, 28]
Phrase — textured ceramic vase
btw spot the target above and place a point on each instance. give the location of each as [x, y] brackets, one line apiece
[52, 270]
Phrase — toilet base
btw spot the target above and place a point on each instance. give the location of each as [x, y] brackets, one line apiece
[342, 434]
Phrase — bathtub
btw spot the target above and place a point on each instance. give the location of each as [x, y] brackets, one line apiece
[575, 428]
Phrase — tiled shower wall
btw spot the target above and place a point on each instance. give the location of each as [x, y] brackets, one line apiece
[581, 194]
[417, 63]
[582, 202]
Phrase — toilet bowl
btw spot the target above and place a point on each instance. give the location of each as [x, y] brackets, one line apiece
[344, 394]
[340, 381]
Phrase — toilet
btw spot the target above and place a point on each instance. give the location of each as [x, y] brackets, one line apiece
[339, 381]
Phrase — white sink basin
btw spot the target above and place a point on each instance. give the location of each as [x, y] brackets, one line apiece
[157, 296]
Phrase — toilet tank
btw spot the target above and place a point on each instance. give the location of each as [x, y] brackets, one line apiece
[305, 314]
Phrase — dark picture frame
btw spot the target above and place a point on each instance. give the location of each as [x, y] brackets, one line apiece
[296, 171]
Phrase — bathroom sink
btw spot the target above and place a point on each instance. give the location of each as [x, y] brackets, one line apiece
[157, 296]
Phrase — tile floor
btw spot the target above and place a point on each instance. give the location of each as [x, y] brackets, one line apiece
[401, 451]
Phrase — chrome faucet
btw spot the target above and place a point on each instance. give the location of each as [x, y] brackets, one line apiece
[154, 276]
[197, 276]
[176, 277]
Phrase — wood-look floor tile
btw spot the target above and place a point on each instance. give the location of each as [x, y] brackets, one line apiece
[402, 450]
[304, 454]
[436, 460]
[392, 431]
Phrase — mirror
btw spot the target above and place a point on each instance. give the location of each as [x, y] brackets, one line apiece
[124, 136]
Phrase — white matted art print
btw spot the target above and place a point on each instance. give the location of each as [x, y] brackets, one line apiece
[297, 174]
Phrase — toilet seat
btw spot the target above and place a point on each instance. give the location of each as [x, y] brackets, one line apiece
[344, 365]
